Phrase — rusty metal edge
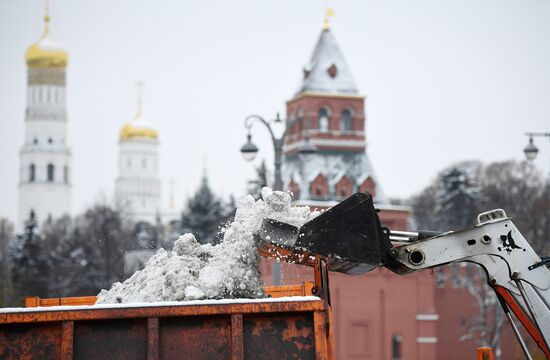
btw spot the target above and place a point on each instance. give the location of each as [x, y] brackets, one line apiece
[161, 311]
[153, 338]
[67, 336]
[237, 337]
[320, 331]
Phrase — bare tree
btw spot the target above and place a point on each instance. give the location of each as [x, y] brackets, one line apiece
[100, 235]
[520, 189]
[488, 325]
[31, 261]
[204, 214]
[453, 200]
[6, 286]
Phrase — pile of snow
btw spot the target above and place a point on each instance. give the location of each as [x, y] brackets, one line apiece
[194, 272]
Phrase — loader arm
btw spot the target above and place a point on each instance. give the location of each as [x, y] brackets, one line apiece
[352, 240]
[514, 271]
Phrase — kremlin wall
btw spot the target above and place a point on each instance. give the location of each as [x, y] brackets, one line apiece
[378, 315]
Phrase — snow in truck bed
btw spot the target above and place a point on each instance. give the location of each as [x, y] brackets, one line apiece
[228, 270]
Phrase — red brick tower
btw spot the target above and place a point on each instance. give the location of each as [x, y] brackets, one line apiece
[329, 109]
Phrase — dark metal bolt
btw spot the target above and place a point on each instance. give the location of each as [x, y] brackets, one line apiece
[315, 290]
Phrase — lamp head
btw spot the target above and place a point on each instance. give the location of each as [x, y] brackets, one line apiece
[307, 149]
[249, 149]
[531, 150]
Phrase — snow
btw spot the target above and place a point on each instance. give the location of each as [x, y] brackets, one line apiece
[141, 122]
[48, 44]
[160, 304]
[195, 272]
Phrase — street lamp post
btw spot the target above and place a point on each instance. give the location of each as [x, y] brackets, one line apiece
[249, 151]
[531, 150]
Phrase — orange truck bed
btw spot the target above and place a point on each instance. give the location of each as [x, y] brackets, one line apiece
[280, 327]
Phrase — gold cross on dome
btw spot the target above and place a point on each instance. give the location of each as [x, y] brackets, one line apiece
[46, 18]
[139, 87]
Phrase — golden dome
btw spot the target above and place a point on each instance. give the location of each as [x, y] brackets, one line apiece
[46, 53]
[43, 55]
[139, 127]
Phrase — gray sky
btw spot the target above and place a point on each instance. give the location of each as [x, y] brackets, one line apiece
[445, 81]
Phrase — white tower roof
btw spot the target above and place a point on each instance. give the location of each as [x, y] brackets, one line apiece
[318, 76]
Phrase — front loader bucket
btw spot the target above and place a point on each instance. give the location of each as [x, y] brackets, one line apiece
[349, 234]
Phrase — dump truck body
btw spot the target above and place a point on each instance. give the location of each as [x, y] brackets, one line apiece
[272, 328]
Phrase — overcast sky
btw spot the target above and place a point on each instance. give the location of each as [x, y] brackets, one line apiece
[445, 81]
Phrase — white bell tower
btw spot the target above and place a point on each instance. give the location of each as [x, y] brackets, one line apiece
[45, 157]
[137, 188]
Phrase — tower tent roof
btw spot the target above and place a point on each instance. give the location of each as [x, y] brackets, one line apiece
[327, 70]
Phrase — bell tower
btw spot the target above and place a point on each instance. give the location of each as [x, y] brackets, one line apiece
[137, 187]
[45, 157]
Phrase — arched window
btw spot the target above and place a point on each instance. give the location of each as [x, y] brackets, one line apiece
[51, 172]
[346, 121]
[32, 173]
[66, 174]
[299, 124]
[323, 119]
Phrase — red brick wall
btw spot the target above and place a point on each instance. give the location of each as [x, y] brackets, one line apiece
[395, 219]
[309, 106]
[456, 308]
